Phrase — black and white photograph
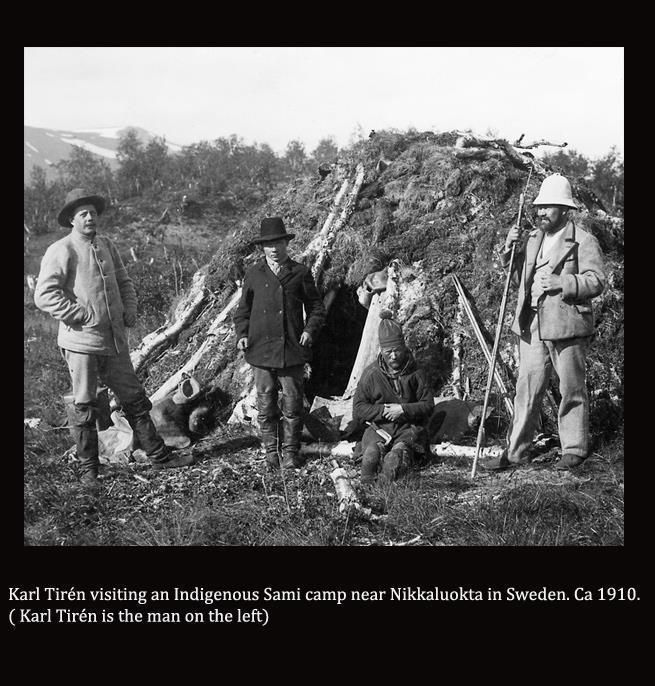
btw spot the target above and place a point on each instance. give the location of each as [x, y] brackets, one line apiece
[323, 296]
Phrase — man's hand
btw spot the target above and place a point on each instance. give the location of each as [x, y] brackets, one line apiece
[392, 411]
[512, 236]
[548, 281]
[242, 343]
[306, 339]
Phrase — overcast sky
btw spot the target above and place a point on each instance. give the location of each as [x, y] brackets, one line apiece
[274, 95]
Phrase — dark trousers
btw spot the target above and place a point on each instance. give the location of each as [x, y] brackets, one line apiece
[392, 461]
[267, 381]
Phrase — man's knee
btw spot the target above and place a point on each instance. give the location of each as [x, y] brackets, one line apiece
[137, 406]
[82, 415]
[292, 405]
[267, 408]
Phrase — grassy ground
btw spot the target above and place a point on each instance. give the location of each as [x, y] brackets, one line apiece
[229, 497]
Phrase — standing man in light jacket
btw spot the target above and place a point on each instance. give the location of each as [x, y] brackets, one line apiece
[561, 270]
[84, 285]
[271, 330]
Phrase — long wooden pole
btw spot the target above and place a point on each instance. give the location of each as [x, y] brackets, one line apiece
[483, 344]
[499, 330]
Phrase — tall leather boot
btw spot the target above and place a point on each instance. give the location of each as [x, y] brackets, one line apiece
[146, 436]
[370, 463]
[82, 426]
[291, 430]
[268, 426]
[395, 463]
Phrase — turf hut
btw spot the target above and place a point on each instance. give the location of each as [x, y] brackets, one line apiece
[390, 224]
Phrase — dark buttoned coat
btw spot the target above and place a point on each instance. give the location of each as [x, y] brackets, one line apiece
[270, 314]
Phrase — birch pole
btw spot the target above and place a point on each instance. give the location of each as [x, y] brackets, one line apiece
[165, 335]
[456, 379]
[315, 243]
[328, 238]
[217, 330]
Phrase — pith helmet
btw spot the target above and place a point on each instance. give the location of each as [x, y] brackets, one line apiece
[555, 190]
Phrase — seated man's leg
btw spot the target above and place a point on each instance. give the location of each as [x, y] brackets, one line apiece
[267, 412]
[118, 373]
[396, 462]
[372, 451]
[82, 412]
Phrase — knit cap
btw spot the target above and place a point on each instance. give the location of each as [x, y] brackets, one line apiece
[389, 332]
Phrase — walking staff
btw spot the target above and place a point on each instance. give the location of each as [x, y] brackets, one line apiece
[499, 329]
[558, 270]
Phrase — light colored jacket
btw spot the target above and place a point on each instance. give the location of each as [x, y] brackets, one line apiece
[577, 257]
[83, 284]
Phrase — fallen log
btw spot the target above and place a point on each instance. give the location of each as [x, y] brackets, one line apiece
[345, 492]
[535, 144]
[344, 449]
[165, 336]
[218, 331]
[468, 451]
[470, 146]
[341, 449]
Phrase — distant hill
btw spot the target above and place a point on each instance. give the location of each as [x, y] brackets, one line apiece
[46, 147]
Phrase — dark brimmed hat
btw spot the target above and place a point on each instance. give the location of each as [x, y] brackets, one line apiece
[77, 197]
[271, 229]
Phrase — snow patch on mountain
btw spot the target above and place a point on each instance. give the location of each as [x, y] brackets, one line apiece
[31, 147]
[91, 147]
[110, 132]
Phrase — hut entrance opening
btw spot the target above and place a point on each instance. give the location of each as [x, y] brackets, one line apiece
[337, 346]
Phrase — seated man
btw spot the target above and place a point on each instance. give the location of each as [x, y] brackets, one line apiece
[393, 396]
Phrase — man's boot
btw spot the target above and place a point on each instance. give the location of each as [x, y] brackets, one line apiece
[270, 443]
[82, 426]
[146, 436]
[569, 461]
[267, 416]
[370, 463]
[395, 463]
[291, 430]
[292, 414]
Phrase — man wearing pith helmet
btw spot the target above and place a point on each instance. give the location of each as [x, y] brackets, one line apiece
[84, 285]
[276, 339]
[558, 270]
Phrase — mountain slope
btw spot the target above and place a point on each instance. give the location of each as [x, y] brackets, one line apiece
[46, 147]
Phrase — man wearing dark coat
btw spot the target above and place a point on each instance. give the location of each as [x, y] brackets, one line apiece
[271, 330]
[394, 396]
